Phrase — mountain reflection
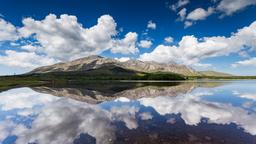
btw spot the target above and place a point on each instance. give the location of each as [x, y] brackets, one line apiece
[193, 112]
[97, 92]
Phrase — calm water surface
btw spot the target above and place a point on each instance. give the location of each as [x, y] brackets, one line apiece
[212, 112]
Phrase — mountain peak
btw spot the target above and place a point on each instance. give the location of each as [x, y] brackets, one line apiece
[95, 62]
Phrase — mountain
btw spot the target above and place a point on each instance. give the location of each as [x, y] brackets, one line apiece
[97, 62]
[214, 73]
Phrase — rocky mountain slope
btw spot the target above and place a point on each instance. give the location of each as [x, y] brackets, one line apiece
[214, 73]
[96, 62]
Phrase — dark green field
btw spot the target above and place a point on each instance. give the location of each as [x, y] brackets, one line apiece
[62, 78]
[7, 82]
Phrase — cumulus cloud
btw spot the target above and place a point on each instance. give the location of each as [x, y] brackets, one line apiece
[228, 7]
[123, 59]
[65, 38]
[244, 54]
[54, 114]
[192, 109]
[127, 45]
[66, 121]
[126, 114]
[191, 50]
[168, 39]
[62, 120]
[29, 47]
[187, 24]
[182, 14]
[145, 43]
[26, 101]
[151, 25]
[222, 7]
[203, 66]
[57, 115]
[145, 116]
[180, 3]
[199, 14]
[195, 15]
[246, 95]
[25, 59]
[248, 62]
[57, 39]
[8, 32]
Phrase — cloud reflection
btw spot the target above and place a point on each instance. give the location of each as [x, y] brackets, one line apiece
[63, 120]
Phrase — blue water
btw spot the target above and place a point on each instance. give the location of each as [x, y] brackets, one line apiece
[208, 112]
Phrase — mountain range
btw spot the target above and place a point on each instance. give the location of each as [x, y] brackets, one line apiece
[94, 62]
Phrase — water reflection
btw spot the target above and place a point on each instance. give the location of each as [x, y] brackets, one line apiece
[96, 93]
[194, 112]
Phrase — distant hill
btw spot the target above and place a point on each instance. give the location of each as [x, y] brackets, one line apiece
[214, 73]
[97, 62]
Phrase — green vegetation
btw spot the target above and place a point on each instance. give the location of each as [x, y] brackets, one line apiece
[109, 74]
[221, 77]
[8, 82]
[62, 78]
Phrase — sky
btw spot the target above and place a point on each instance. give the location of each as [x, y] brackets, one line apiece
[215, 35]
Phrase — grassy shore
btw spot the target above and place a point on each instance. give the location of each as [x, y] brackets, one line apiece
[7, 82]
[222, 77]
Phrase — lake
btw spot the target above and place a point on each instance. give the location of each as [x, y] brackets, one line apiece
[202, 112]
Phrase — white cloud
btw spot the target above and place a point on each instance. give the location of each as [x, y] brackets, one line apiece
[187, 24]
[244, 54]
[191, 50]
[203, 66]
[179, 4]
[8, 31]
[57, 114]
[145, 43]
[162, 54]
[14, 44]
[151, 25]
[127, 45]
[122, 99]
[182, 14]
[199, 14]
[168, 39]
[249, 62]
[224, 7]
[67, 119]
[192, 109]
[25, 59]
[145, 116]
[24, 98]
[5, 129]
[29, 48]
[126, 114]
[123, 59]
[228, 7]
[63, 38]
[58, 117]
[246, 95]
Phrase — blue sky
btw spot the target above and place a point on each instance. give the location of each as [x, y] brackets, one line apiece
[203, 34]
